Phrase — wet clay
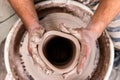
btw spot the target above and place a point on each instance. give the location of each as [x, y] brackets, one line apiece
[19, 59]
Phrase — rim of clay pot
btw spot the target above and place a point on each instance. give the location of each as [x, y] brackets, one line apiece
[74, 42]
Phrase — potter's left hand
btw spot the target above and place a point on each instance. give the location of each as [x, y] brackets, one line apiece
[34, 37]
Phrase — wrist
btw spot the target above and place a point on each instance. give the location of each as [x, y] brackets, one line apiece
[34, 26]
[96, 28]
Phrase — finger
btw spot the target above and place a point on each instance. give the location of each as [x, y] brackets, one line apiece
[36, 37]
[85, 51]
[63, 28]
[41, 31]
[73, 31]
[32, 48]
[35, 55]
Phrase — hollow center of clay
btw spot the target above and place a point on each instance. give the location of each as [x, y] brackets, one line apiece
[59, 51]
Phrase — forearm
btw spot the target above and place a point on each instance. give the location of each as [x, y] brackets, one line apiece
[26, 11]
[104, 14]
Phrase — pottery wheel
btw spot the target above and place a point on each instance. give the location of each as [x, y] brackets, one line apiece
[56, 70]
[58, 62]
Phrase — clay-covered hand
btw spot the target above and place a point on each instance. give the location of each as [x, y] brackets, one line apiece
[88, 42]
[34, 37]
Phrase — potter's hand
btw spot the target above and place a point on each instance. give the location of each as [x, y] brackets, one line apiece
[88, 42]
[34, 37]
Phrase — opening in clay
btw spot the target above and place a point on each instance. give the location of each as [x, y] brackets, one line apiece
[59, 51]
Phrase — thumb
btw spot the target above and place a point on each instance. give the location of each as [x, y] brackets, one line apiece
[85, 53]
[70, 30]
